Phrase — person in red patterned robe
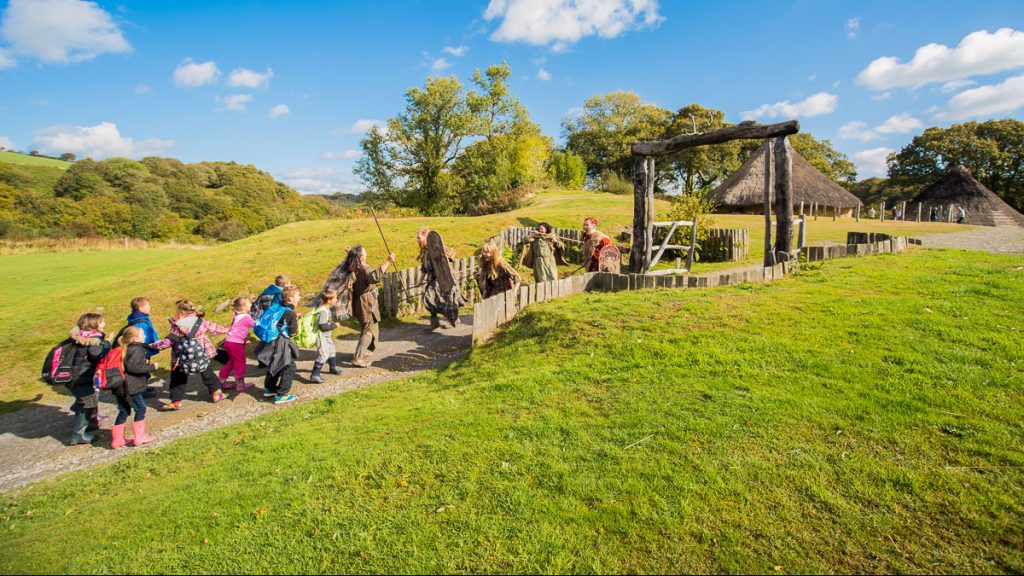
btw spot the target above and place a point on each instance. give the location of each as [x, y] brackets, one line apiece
[593, 241]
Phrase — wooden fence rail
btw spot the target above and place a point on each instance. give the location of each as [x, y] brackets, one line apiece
[726, 245]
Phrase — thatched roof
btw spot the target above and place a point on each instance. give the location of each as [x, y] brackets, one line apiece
[746, 186]
[960, 188]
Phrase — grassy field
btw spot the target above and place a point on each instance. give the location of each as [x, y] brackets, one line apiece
[50, 290]
[863, 415]
[27, 159]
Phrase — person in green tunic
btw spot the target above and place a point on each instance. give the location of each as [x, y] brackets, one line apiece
[539, 253]
[363, 294]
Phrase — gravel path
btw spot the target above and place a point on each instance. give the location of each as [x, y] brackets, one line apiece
[32, 440]
[1006, 240]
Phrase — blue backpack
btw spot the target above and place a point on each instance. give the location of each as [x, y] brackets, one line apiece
[268, 327]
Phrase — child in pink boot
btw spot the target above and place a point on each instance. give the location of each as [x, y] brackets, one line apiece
[235, 345]
[136, 374]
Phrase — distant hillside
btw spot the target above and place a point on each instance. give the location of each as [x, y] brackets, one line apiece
[152, 199]
[28, 159]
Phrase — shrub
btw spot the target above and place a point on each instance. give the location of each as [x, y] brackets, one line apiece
[568, 169]
[688, 206]
[612, 183]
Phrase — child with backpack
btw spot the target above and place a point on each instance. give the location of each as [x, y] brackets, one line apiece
[238, 335]
[275, 329]
[89, 347]
[135, 361]
[323, 320]
[191, 350]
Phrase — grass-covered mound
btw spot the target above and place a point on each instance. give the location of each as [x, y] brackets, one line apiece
[863, 415]
[45, 292]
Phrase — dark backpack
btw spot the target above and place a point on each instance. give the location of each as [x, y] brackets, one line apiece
[260, 305]
[59, 365]
[191, 355]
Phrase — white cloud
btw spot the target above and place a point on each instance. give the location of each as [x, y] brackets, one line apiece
[852, 28]
[978, 53]
[812, 77]
[871, 163]
[7, 60]
[59, 32]
[364, 126]
[882, 97]
[100, 141]
[1002, 98]
[343, 155]
[143, 89]
[564, 22]
[279, 111]
[322, 181]
[190, 74]
[457, 51]
[440, 64]
[898, 124]
[543, 74]
[954, 85]
[245, 78]
[815, 105]
[236, 102]
[6, 142]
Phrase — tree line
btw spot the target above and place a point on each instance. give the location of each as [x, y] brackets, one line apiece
[152, 199]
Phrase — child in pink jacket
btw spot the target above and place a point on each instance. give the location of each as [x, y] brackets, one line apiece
[238, 335]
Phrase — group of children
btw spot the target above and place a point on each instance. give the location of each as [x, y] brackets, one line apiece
[89, 362]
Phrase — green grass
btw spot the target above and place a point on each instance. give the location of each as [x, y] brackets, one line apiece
[863, 415]
[18, 158]
[50, 290]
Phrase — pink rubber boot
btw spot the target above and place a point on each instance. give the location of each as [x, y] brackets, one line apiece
[117, 436]
[139, 428]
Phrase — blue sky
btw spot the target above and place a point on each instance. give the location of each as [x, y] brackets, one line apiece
[287, 86]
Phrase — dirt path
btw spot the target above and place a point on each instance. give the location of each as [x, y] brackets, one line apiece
[1006, 240]
[32, 440]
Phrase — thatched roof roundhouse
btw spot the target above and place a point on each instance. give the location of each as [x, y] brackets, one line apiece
[960, 188]
[743, 191]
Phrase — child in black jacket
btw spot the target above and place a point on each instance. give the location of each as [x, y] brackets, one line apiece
[129, 396]
[90, 348]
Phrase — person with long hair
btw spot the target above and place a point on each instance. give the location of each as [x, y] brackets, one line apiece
[90, 347]
[593, 241]
[362, 282]
[435, 300]
[495, 274]
[134, 356]
[190, 317]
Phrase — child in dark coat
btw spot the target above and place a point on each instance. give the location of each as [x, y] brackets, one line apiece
[90, 348]
[129, 396]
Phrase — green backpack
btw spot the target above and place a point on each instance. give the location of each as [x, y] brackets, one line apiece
[308, 333]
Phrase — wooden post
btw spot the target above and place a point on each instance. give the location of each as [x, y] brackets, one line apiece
[783, 197]
[801, 207]
[801, 239]
[769, 193]
[903, 211]
[651, 177]
[693, 246]
[835, 213]
[639, 251]
[919, 205]
[949, 214]
[857, 216]
[881, 212]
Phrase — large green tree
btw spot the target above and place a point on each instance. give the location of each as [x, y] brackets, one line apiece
[452, 151]
[993, 151]
[700, 168]
[603, 130]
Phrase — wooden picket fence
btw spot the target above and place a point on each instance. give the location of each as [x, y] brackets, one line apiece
[492, 313]
[726, 245]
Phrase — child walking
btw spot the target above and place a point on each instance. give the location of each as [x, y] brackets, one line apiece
[326, 353]
[129, 397]
[140, 317]
[90, 347]
[238, 335]
[280, 353]
[190, 325]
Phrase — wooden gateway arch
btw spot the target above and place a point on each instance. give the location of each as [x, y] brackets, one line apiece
[777, 183]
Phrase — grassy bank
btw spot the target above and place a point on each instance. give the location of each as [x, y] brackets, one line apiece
[50, 290]
[863, 415]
